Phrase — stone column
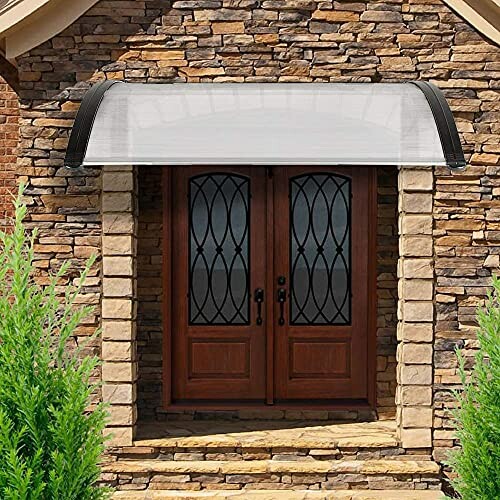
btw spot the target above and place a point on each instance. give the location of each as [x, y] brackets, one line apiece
[415, 308]
[119, 305]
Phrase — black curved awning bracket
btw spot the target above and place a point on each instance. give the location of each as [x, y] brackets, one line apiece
[445, 123]
[84, 121]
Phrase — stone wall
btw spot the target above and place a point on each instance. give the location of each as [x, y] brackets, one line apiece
[9, 132]
[276, 40]
[149, 294]
[387, 289]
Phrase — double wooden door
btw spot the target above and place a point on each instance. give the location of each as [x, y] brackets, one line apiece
[271, 288]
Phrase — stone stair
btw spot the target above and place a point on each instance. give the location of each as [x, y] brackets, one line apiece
[282, 495]
[269, 460]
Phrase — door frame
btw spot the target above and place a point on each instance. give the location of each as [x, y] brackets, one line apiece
[167, 295]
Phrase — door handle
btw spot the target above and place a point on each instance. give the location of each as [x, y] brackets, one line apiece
[281, 301]
[258, 296]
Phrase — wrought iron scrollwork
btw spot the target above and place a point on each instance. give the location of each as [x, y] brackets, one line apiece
[219, 250]
[320, 249]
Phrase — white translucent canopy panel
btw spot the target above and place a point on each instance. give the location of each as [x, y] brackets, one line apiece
[355, 124]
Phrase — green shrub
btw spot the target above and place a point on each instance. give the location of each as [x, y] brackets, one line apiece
[477, 462]
[50, 445]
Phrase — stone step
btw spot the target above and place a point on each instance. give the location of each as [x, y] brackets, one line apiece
[282, 495]
[271, 474]
[273, 466]
[243, 435]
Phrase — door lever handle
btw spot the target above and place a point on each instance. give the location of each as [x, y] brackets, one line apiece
[258, 296]
[281, 301]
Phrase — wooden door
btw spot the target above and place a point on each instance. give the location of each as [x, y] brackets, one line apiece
[271, 286]
[219, 261]
[322, 254]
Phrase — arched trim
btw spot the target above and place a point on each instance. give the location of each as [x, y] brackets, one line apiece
[84, 121]
[445, 123]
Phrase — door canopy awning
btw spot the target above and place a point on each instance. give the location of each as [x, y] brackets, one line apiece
[264, 124]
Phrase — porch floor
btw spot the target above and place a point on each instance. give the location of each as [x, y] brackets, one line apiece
[267, 434]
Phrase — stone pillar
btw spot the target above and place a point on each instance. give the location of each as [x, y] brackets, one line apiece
[415, 308]
[119, 304]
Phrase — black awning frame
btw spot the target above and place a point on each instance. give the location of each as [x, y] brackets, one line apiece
[445, 123]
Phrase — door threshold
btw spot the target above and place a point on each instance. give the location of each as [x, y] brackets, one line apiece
[330, 405]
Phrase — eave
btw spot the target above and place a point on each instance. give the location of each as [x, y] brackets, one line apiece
[25, 24]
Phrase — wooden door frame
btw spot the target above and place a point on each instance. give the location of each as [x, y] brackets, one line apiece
[167, 294]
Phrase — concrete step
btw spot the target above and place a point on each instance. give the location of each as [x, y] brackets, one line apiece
[271, 474]
[282, 495]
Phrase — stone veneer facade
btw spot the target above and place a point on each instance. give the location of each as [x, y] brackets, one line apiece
[9, 135]
[449, 224]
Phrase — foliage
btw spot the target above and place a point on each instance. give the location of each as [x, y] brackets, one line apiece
[477, 462]
[50, 445]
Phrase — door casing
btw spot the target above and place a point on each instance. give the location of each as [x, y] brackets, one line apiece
[168, 291]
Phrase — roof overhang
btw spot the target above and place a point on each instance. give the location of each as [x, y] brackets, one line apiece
[25, 24]
[264, 124]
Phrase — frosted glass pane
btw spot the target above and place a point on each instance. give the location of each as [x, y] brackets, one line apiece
[264, 124]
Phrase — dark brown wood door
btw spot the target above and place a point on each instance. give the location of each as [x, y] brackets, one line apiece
[272, 275]
[219, 260]
[322, 254]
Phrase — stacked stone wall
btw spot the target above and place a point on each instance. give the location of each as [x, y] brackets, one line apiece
[270, 41]
[9, 132]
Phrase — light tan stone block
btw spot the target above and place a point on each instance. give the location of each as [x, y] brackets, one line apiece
[418, 268]
[224, 28]
[420, 417]
[118, 266]
[121, 415]
[119, 371]
[415, 203]
[416, 289]
[117, 287]
[416, 353]
[335, 16]
[415, 332]
[416, 224]
[118, 330]
[418, 311]
[119, 436]
[416, 179]
[416, 395]
[123, 394]
[117, 181]
[117, 309]
[416, 246]
[492, 261]
[416, 438]
[117, 351]
[415, 374]
[156, 55]
[118, 245]
[118, 223]
[117, 202]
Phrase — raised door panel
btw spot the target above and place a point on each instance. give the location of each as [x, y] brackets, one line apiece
[218, 262]
[321, 273]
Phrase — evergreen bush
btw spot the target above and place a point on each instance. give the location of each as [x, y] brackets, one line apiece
[50, 444]
[477, 462]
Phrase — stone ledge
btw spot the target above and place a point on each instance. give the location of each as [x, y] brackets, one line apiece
[281, 495]
[392, 467]
[324, 435]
